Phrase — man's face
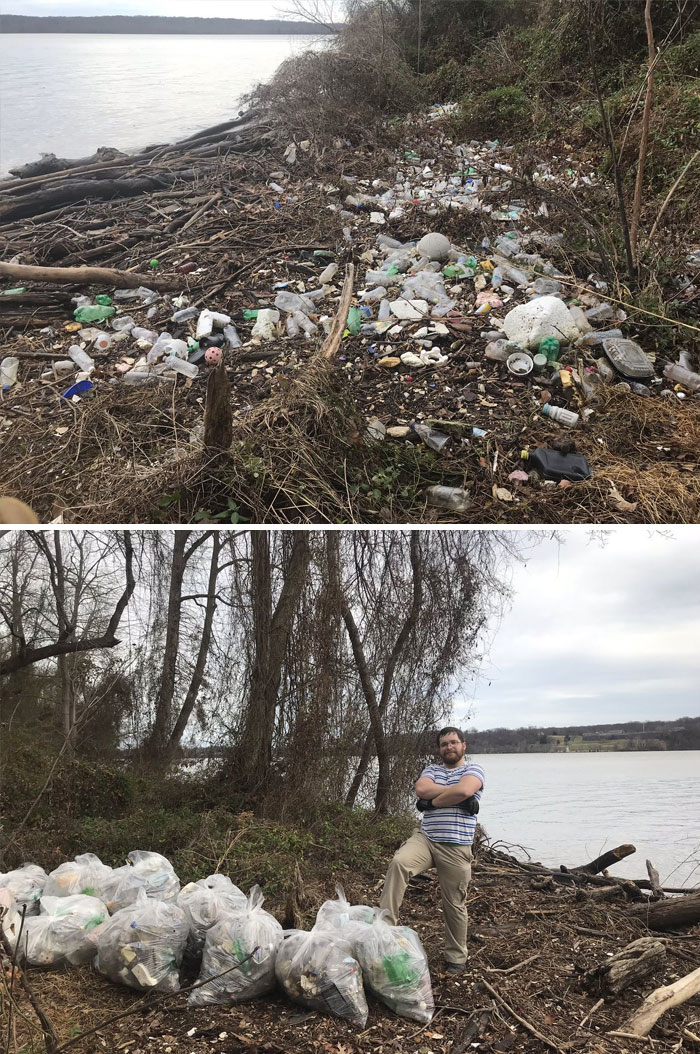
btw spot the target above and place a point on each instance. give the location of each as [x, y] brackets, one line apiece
[452, 749]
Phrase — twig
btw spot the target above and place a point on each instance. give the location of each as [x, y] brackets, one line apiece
[670, 194]
[526, 1024]
[590, 1013]
[50, 1034]
[195, 215]
[332, 342]
[512, 969]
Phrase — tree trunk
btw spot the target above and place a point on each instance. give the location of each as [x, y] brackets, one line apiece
[271, 634]
[639, 184]
[629, 966]
[670, 914]
[203, 653]
[361, 771]
[162, 725]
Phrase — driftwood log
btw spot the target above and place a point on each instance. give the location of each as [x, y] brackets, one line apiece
[670, 914]
[613, 856]
[631, 964]
[218, 420]
[86, 276]
[661, 1000]
[49, 163]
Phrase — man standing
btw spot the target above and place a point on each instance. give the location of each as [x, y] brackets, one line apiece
[447, 794]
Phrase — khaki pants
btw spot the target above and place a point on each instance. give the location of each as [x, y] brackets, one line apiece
[453, 864]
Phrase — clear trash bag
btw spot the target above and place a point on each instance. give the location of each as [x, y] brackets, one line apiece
[347, 920]
[231, 940]
[149, 872]
[10, 917]
[26, 884]
[318, 970]
[205, 903]
[142, 945]
[86, 874]
[395, 968]
[65, 931]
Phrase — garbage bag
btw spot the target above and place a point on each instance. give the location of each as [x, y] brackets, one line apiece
[146, 871]
[205, 903]
[231, 940]
[86, 874]
[10, 918]
[318, 970]
[26, 884]
[142, 945]
[395, 968]
[347, 920]
[65, 931]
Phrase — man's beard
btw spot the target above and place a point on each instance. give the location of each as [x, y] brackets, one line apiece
[452, 761]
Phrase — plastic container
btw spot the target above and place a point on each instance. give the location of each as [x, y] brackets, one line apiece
[496, 350]
[232, 338]
[81, 358]
[629, 359]
[187, 369]
[185, 314]
[8, 371]
[329, 273]
[553, 465]
[560, 415]
[680, 375]
[93, 313]
[102, 342]
[549, 347]
[454, 499]
[519, 364]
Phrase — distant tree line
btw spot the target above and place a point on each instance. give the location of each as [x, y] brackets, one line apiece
[154, 24]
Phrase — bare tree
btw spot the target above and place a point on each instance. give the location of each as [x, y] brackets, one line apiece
[324, 13]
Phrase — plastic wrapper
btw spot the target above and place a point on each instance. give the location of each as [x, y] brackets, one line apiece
[349, 920]
[86, 874]
[395, 968]
[142, 945]
[318, 970]
[26, 884]
[207, 902]
[149, 872]
[65, 931]
[230, 941]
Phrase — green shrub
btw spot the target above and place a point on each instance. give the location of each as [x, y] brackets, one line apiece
[502, 111]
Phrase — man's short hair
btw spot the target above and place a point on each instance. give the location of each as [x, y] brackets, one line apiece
[446, 732]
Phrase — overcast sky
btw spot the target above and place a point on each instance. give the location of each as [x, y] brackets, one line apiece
[597, 634]
[176, 8]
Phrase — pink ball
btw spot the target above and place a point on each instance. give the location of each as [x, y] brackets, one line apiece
[212, 356]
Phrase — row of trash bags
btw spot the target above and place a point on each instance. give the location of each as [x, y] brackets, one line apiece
[243, 950]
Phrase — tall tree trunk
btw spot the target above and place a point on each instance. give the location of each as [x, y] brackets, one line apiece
[203, 653]
[160, 733]
[271, 634]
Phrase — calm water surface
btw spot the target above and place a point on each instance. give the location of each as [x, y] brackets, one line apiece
[69, 94]
[570, 808]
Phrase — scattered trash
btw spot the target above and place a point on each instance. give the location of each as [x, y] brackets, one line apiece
[451, 498]
[551, 464]
[561, 415]
[8, 371]
[628, 359]
[529, 324]
[619, 503]
[519, 364]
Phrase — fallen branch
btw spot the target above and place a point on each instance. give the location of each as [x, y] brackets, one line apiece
[526, 1024]
[332, 341]
[657, 892]
[661, 1000]
[85, 276]
[184, 222]
[613, 856]
[670, 914]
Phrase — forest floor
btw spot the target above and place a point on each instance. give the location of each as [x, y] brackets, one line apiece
[525, 989]
[301, 450]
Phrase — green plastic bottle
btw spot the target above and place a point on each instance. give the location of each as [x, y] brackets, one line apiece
[93, 313]
[250, 313]
[549, 346]
[354, 321]
[103, 299]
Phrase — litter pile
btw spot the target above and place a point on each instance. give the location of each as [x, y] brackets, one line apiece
[468, 334]
[239, 950]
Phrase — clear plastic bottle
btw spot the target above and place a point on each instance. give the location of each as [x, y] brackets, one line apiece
[329, 274]
[560, 415]
[123, 324]
[232, 338]
[8, 371]
[185, 314]
[454, 499]
[674, 372]
[81, 358]
[497, 350]
[188, 369]
[102, 341]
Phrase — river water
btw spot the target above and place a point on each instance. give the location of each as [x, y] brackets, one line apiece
[70, 93]
[570, 808]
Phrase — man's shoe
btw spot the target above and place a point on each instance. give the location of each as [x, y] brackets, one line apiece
[453, 969]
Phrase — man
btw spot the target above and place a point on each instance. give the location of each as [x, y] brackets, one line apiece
[447, 793]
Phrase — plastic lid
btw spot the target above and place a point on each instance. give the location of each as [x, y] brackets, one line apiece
[628, 358]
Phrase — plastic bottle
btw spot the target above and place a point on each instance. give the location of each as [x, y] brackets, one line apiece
[93, 313]
[680, 375]
[139, 333]
[185, 314]
[286, 301]
[123, 324]
[8, 371]
[378, 293]
[354, 321]
[547, 287]
[81, 358]
[329, 273]
[141, 379]
[453, 499]
[102, 341]
[560, 415]
[188, 369]
[384, 311]
[497, 351]
[232, 338]
[599, 336]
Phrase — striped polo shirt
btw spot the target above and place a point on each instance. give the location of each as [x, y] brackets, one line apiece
[449, 823]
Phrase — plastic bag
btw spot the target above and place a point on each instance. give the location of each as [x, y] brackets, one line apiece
[348, 920]
[395, 968]
[318, 970]
[230, 941]
[206, 902]
[142, 945]
[149, 872]
[26, 884]
[65, 931]
[10, 918]
[86, 874]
